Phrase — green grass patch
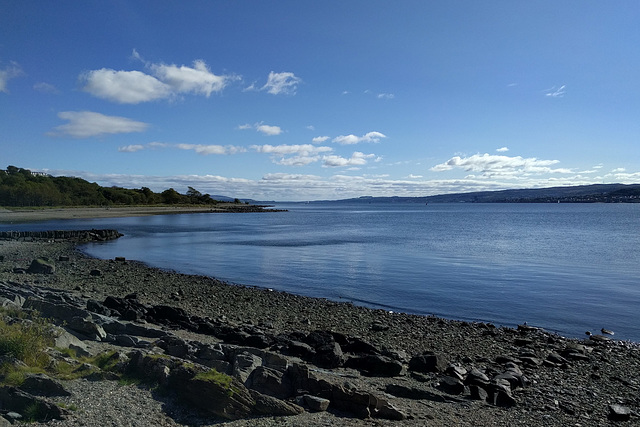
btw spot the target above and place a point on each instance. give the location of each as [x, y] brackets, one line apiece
[216, 377]
[26, 340]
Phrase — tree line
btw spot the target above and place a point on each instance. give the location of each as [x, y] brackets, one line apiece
[20, 187]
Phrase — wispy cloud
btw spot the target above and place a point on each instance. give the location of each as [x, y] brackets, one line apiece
[320, 139]
[502, 150]
[293, 155]
[488, 165]
[85, 124]
[353, 139]
[385, 96]
[356, 159]
[211, 149]
[7, 73]
[285, 83]
[165, 81]
[131, 148]
[262, 128]
[556, 92]
[45, 88]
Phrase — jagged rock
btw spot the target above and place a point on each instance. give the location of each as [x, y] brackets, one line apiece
[477, 377]
[375, 365]
[244, 364]
[316, 404]
[55, 310]
[300, 349]
[4, 422]
[231, 402]
[268, 405]
[41, 266]
[428, 362]
[619, 413]
[126, 341]
[387, 411]
[456, 371]
[530, 361]
[329, 356]
[500, 394]
[164, 314]
[97, 307]
[175, 346]
[554, 357]
[357, 346]
[64, 339]
[451, 385]
[211, 352]
[415, 393]
[270, 382]
[87, 328]
[379, 326]
[13, 399]
[478, 393]
[42, 385]
[354, 401]
[95, 272]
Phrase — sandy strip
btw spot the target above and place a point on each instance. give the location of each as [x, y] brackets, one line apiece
[8, 216]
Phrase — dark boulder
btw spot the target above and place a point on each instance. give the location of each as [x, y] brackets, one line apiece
[428, 362]
[375, 365]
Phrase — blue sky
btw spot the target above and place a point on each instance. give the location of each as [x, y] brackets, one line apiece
[301, 100]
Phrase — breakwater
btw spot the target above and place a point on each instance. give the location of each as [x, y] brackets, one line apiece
[70, 235]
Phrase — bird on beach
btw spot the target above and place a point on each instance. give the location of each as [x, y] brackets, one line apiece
[607, 332]
[600, 338]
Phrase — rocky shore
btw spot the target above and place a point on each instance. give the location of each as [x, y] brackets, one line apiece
[294, 360]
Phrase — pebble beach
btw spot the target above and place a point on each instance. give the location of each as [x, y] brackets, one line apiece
[560, 389]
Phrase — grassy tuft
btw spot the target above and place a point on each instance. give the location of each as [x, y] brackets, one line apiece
[26, 340]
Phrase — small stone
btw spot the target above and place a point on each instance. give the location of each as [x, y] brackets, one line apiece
[316, 404]
[619, 413]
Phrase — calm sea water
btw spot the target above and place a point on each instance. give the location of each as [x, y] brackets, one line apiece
[565, 267]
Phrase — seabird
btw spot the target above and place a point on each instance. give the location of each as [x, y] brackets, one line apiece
[600, 338]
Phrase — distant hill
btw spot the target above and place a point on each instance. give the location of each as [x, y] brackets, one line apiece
[597, 193]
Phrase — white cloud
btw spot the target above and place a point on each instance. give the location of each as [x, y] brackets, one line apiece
[262, 128]
[124, 87]
[319, 139]
[197, 79]
[84, 124]
[555, 92]
[311, 127]
[299, 155]
[133, 87]
[269, 130]
[502, 150]
[157, 144]
[9, 72]
[300, 149]
[356, 159]
[281, 83]
[385, 96]
[618, 170]
[211, 149]
[353, 139]
[489, 165]
[45, 88]
[412, 176]
[131, 148]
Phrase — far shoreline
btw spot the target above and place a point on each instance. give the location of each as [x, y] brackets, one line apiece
[26, 215]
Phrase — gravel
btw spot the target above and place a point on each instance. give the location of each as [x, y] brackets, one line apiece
[578, 393]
